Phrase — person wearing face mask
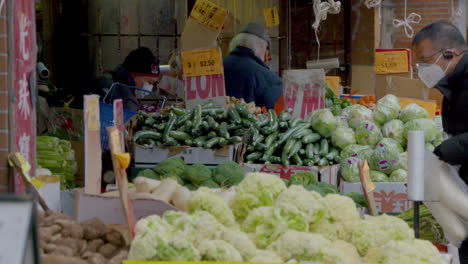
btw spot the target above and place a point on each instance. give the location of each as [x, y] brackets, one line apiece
[245, 72]
[442, 63]
[139, 69]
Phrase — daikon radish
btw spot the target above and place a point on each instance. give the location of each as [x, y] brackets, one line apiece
[180, 198]
[454, 228]
[452, 196]
[145, 185]
[165, 190]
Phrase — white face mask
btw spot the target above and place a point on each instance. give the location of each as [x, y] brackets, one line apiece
[431, 74]
[141, 94]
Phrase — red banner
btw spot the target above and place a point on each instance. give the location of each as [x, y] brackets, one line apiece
[24, 57]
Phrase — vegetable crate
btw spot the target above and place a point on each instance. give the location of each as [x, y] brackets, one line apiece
[147, 157]
[390, 197]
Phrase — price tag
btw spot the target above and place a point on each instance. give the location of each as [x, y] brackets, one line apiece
[202, 62]
[93, 114]
[209, 14]
[369, 186]
[431, 107]
[271, 16]
[392, 61]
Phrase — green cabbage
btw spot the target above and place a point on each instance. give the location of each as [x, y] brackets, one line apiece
[368, 133]
[395, 129]
[349, 169]
[387, 109]
[323, 122]
[377, 176]
[385, 159]
[356, 151]
[341, 121]
[427, 125]
[342, 137]
[403, 161]
[357, 114]
[411, 112]
[399, 175]
[389, 143]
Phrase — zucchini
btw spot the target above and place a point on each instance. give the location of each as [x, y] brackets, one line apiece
[297, 160]
[169, 126]
[197, 118]
[323, 147]
[254, 156]
[179, 135]
[289, 145]
[211, 143]
[309, 151]
[301, 133]
[223, 130]
[234, 115]
[271, 139]
[200, 141]
[145, 135]
[310, 138]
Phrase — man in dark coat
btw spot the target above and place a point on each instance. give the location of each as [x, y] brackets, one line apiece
[245, 72]
[442, 61]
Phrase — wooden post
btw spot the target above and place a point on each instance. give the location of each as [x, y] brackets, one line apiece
[377, 26]
[93, 159]
[368, 187]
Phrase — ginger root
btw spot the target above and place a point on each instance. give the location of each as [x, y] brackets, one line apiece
[94, 245]
[93, 228]
[108, 250]
[70, 228]
[46, 233]
[115, 238]
[94, 258]
[119, 257]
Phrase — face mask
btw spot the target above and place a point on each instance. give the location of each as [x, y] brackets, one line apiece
[141, 94]
[431, 74]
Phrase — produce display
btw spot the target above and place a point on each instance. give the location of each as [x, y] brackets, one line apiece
[381, 137]
[226, 174]
[57, 156]
[208, 126]
[90, 242]
[266, 221]
[429, 228]
[281, 139]
[333, 102]
[231, 102]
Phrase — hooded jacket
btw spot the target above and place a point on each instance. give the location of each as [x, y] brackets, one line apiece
[247, 76]
[454, 87]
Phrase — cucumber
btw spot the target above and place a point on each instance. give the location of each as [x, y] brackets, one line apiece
[316, 159]
[254, 156]
[284, 116]
[263, 121]
[301, 133]
[212, 111]
[188, 126]
[208, 105]
[145, 135]
[205, 126]
[251, 148]
[332, 154]
[211, 135]
[275, 160]
[317, 148]
[242, 110]
[212, 142]
[290, 131]
[161, 127]
[149, 121]
[323, 162]
[285, 159]
[260, 146]
[200, 141]
[239, 132]
[178, 111]
[295, 148]
[271, 139]
[308, 162]
[269, 152]
[255, 134]
[323, 147]
[267, 130]
[170, 141]
[273, 120]
[212, 123]
[310, 138]
[223, 130]
[234, 116]
[169, 126]
[283, 125]
[188, 142]
[289, 145]
[297, 160]
[179, 135]
[301, 152]
[223, 142]
[309, 151]
[235, 140]
[197, 118]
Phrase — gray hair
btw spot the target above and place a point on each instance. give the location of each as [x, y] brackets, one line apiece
[250, 41]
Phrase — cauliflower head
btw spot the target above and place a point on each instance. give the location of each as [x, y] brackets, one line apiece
[241, 242]
[218, 250]
[265, 256]
[300, 246]
[256, 190]
[404, 252]
[375, 231]
[205, 200]
[341, 252]
[341, 208]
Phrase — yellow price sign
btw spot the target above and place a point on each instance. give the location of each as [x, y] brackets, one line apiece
[334, 83]
[209, 14]
[202, 62]
[271, 16]
[431, 107]
[392, 61]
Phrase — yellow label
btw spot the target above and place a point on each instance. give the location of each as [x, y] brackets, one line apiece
[271, 16]
[369, 186]
[93, 114]
[334, 83]
[391, 62]
[209, 14]
[202, 62]
[431, 107]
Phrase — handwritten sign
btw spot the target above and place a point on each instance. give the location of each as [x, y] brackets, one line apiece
[202, 62]
[430, 106]
[202, 89]
[15, 227]
[304, 91]
[392, 61]
[209, 14]
[271, 16]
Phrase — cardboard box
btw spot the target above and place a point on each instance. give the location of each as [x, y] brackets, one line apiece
[145, 157]
[398, 85]
[329, 174]
[390, 197]
[363, 79]
[109, 209]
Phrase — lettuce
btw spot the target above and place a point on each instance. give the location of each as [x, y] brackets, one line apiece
[368, 133]
[323, 122]
[399, 175]
[427, 125]
[356, 151]
[377, 176]
[349, 169]
[387, 109]
[357, 114]
[411, 112]
[342, 137]
[385, 159]
[394, 129]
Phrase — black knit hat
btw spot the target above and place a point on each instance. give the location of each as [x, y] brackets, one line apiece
[142, 60]
[257, 30]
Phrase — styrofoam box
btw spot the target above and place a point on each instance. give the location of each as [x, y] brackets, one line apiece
[390, 197]
[145, 157]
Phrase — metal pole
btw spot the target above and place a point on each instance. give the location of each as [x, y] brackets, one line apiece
[416, 219]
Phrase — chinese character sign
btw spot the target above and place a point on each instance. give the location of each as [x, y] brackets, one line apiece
[24, 65]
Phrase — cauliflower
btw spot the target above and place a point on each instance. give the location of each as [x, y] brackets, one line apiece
[197, 227]
[257, 189]
[144, 246]
[228, 174]
[300, 246]
[196, 174]
[375, 231]
[219, 250]
[265, 256]
[152, 223]
[170, 167]
[340, 252]
[297, 200]
[241, 242]
[404, 252]
[268, 223]
[204, 200]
